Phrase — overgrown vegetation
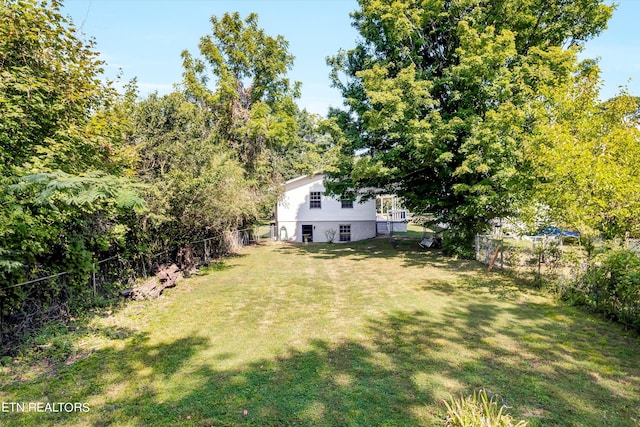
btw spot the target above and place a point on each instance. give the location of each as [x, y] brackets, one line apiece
[88, 173]
[67, 184]
[468, 116]
[602, 278]
[611, 286]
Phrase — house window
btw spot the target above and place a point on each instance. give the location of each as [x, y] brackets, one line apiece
[315, 200]
[345, 233]
[346, 203]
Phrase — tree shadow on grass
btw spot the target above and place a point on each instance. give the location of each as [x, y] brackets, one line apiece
[407, 250]
[406, 364]
[142, 384]
[397, 374]
[469, 274]
[548, 373]
[88, 375]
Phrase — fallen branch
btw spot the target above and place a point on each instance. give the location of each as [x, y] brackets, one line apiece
[153, 288]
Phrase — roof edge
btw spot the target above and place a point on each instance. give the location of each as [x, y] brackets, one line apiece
[302, 177]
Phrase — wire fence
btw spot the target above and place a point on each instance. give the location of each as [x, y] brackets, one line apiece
[489, 250]
[25, 305]
[601, 275]
[535, 256]
[543, 258]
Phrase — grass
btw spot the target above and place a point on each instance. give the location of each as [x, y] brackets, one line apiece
[355, 335]
[414, 231]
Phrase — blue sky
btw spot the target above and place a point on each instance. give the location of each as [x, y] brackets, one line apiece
[144, 39]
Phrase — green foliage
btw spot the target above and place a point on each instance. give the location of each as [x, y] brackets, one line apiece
[312, 151]
[91, 192]
[196, 186]
[455, 242]
[49, 84]
[60, 189]
[611, 287]
[215, 153]
[588, 159]
[252, 105]
[86, 172]
[57, 223]
[478, 411]
[443, 100]
[67, 193]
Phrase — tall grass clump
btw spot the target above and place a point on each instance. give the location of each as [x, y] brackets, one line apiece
[478, 410]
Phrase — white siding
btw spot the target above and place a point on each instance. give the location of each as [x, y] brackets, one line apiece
[359, 230]
[294, 211]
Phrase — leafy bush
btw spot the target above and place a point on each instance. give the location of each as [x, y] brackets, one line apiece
[478, 411]
[617, 287]
[457, 242]
[611, 287]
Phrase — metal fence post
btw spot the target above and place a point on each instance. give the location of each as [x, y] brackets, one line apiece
[477, 246]
[95, 293]
[144, 267]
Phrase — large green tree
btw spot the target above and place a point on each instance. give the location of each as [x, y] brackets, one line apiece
[250, 99]
[443, 98]
[312, 150]
[588, 159]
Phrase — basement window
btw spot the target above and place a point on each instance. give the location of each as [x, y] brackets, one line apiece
[345, 233]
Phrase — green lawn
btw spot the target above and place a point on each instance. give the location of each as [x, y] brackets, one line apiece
[332, 335]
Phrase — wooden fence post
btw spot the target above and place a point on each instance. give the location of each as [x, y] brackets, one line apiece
[495, 256]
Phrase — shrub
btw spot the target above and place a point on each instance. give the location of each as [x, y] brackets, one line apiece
[619, 287]
[478, 411]
[611, 288]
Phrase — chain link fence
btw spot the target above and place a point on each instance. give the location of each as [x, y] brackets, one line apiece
[490, 250]
[602, 275]
[537, 256]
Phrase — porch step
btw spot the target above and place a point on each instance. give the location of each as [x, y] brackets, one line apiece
[382, 227]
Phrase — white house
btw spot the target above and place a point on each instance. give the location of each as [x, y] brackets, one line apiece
[305, 213]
